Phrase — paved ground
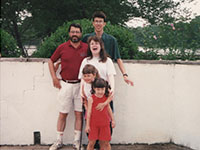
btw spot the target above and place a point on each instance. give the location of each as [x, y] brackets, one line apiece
[166, 146]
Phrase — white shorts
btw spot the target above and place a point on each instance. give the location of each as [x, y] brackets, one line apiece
[69, 96]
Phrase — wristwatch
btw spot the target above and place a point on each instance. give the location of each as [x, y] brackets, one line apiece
[125, 74]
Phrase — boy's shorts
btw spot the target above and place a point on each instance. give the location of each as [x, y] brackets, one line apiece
[69, 96]
[101, 133]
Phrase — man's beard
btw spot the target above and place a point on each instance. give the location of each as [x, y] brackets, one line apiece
[76, 39]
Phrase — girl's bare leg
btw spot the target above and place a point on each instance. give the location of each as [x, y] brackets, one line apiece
[91, 144]
[105, 145]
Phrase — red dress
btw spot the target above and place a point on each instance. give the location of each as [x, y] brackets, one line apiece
[99, 121]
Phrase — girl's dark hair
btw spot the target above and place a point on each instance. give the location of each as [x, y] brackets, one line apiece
[99, 14]
[76, 25]
[90, 69]
[103, 55]
[100, 83]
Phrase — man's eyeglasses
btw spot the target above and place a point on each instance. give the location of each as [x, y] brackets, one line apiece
[98, 22]
[75, 32]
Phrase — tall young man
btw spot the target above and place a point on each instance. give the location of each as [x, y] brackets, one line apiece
[110, 43]
[71, 54]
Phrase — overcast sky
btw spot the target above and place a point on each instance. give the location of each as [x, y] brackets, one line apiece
[195, 7]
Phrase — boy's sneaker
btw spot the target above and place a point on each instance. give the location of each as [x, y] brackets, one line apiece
[58, 144]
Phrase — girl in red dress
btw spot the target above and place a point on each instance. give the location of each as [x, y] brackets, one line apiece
[98, 121]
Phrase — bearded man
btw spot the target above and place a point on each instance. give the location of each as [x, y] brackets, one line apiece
[71, 54]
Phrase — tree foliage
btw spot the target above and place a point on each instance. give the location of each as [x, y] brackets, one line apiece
[8, 45]
[127, 47]
[177, 40]
[32, 20]
[47, 17]
[12, 13]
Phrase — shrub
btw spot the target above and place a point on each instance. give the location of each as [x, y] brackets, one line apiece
[8, 45]
[125, 37]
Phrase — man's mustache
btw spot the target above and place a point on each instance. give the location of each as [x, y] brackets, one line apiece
[75, 36]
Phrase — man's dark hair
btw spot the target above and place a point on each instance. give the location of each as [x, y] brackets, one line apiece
[99, 14]
[76, 25]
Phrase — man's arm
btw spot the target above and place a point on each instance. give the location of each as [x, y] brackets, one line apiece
[120, 63]
[52, 69]
[123, 71]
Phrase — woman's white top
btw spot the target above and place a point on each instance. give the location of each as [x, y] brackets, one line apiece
[104, 68]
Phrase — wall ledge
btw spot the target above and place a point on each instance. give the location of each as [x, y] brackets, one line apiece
[43, 60]
[173, 62]
[125, 61]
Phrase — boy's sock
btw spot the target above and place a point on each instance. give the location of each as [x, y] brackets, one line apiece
[60, 136]
[77, 135]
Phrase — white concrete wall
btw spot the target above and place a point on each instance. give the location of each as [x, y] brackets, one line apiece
[163, 106]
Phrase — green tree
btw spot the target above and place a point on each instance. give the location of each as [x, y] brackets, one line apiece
[47, 17]
[12, 19]
[8, 45]
[180, 40]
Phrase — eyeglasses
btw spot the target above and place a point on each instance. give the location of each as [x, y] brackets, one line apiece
[75, 32]
[98, 22]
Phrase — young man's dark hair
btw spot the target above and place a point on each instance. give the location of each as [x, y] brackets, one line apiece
[110, 42]
[99, 14]
[76, 25]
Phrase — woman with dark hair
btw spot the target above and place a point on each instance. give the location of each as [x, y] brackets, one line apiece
[98, 57]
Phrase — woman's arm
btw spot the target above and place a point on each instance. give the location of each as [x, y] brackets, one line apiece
[101, 106]
[87, 128]
[82, 91]
[83, 96]
[111, 116]
[111, 81]
[110, 73]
